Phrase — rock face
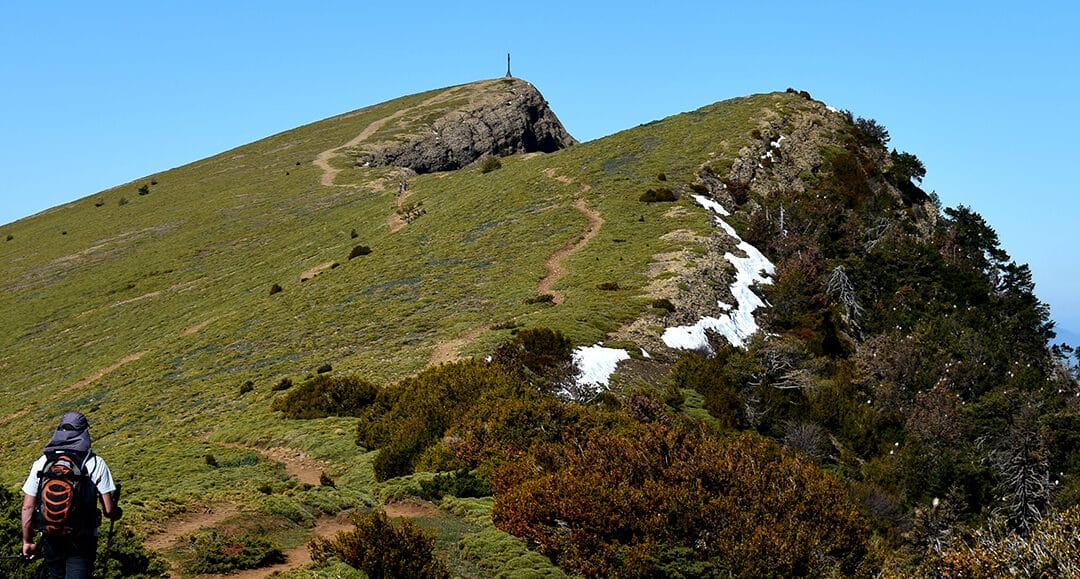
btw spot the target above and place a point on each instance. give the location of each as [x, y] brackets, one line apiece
[500, 117]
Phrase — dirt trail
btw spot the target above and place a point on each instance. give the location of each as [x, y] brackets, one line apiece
[101, 373]
[554, 263]
[395, 221]
[325, 527]
[322, 160]
[189, 522]
[297, 463]
[449, 351]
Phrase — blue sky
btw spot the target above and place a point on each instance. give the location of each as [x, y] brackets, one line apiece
[99, 94]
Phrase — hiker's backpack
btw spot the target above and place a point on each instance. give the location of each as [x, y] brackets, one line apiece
[66, 502]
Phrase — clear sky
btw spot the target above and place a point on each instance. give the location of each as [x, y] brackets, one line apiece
[95, 94]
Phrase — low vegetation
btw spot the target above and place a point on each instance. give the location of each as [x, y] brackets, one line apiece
[900, 415]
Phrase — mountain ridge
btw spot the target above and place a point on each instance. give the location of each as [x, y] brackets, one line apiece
[177, 308]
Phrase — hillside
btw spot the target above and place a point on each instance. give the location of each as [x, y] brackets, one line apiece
[174, 309]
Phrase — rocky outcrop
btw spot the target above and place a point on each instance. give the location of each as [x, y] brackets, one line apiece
[499, 117]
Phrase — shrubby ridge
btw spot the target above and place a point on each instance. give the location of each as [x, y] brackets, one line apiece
[899, 412]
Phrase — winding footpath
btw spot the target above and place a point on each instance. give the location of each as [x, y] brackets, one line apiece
[450, 351]
[322, 160]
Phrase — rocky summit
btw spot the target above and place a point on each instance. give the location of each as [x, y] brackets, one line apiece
[497, 117]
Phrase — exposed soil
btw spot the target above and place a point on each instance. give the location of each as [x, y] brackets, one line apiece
[297, 463]
[101, 373]
[411, 509]
[554, 263]
[325, 527]
[198, 326]
[449, 351]
[189, 522]
[395, 221]
[317, 270]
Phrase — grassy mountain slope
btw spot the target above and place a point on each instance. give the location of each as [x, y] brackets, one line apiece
[174, 308]
[150, 309]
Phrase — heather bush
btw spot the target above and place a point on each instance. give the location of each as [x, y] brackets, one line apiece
[216, 552]
[359, 250]
[541, 299]
[663, 304]
[656, 498]
[462, 483]
[489, 164]
[324, 396]
[413, 414]
[382, 549]
[659, 195]
[536, 349]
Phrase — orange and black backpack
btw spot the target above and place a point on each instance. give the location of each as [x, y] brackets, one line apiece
[66, 502]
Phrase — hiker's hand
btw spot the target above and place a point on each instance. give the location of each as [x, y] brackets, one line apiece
[29, 550]
[115, 513]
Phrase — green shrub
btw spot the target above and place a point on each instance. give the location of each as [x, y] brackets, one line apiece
[872, 132]
[541, 299]
[661, 177]
[489, 164]
[608, 286]
[10, 237]
[128, 557]
[504, 555]
[462, 483]
[660, 195]
[699, 188]
[353, 234]
[220, 553]
[122, 201]
[284, 384]
[275, 289]
[324, 396]
[382, 549]
[663, 304]
[323, 369]
[359, 250]
[144, 190]
[246, 387]
[536, 349]
[210, 460]
[739, 191]
[413, 414]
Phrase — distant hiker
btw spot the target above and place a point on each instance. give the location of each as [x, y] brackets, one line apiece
[60, 500]
[403, 186]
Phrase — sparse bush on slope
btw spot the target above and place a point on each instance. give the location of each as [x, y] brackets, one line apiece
[326, 395]
[382, 549]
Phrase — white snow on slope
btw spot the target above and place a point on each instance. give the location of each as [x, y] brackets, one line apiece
[597, 363]
[740, 324]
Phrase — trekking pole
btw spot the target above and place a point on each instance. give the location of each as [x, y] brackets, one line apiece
[112, 522]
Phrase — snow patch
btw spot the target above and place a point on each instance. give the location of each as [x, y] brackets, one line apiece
[739, 325]
[596, 363]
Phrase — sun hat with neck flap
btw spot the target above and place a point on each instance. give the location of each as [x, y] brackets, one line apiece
[73, 433]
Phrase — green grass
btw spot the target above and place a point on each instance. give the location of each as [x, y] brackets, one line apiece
[212, 237]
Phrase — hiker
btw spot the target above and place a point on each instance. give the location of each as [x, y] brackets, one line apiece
[68, 520]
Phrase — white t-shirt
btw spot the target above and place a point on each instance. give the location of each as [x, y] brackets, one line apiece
[95, 466]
